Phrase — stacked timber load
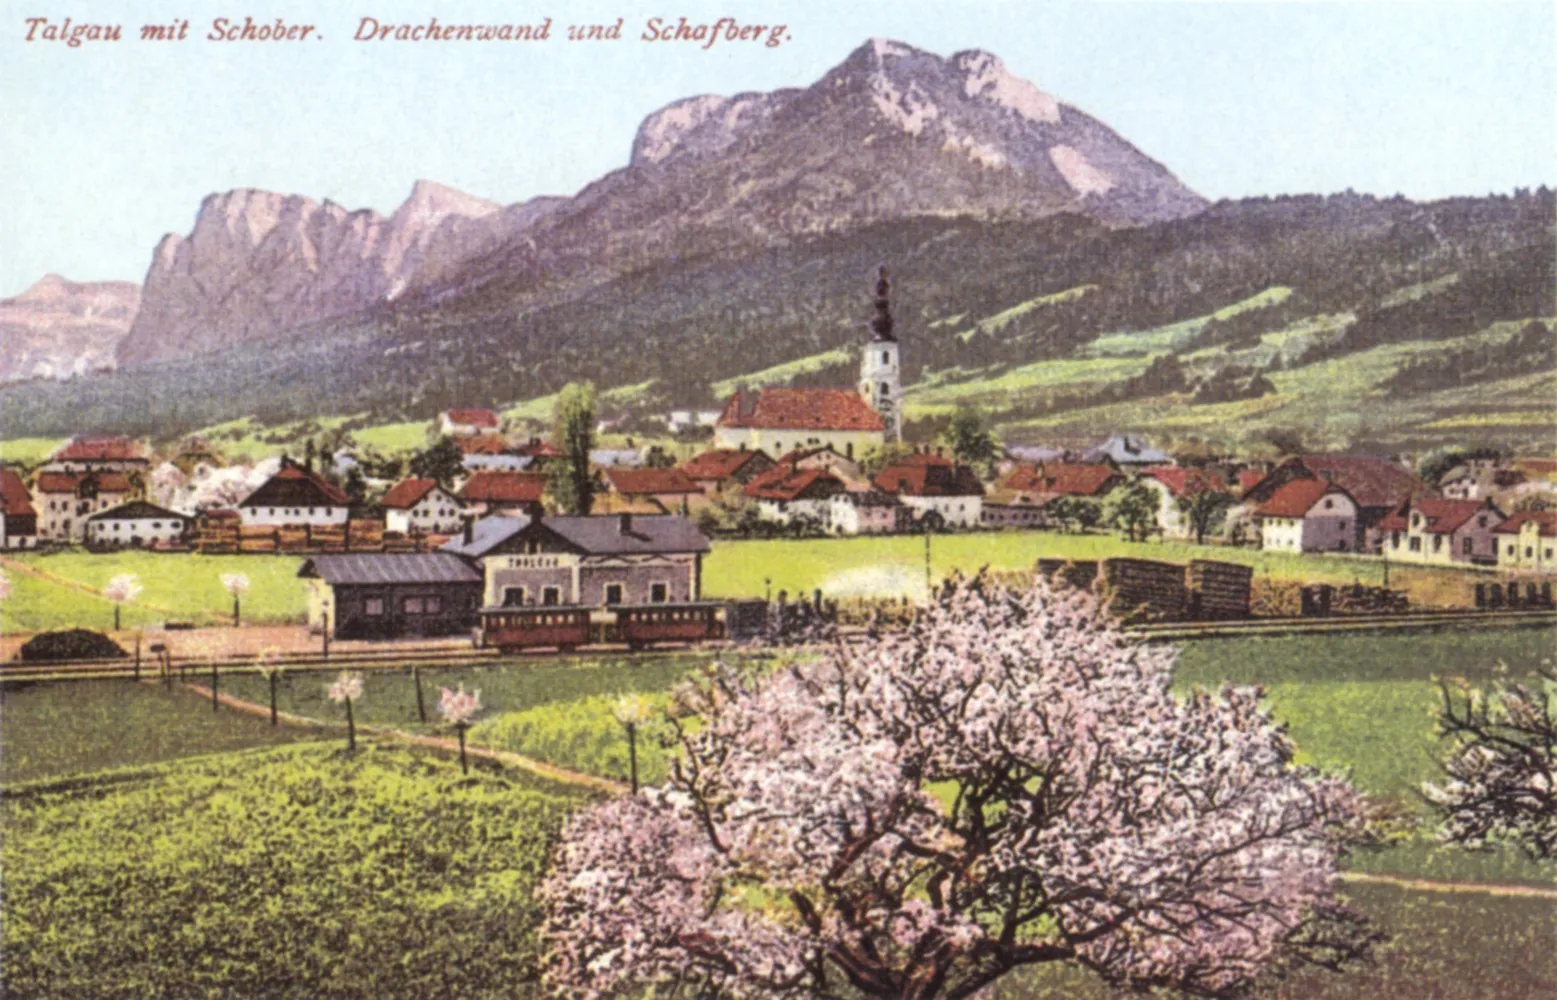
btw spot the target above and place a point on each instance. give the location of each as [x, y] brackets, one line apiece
[1065, 572]
[217, 533]
[1144, 589]
[1218, 590]
[259, 539]
[365, 536]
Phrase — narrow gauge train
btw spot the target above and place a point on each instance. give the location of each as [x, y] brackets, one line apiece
[567, 627]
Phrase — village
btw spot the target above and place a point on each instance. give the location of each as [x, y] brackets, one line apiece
[481, 530]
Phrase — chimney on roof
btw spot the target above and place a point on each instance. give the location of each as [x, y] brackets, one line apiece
[470, 529]
[624, 523]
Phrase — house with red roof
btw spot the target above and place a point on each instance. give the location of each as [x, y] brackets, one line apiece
[784, 494]
[1176, 484]
[1376, 485]
[1021, 498]
[720, 468]
[1527, 542]
[1440, 531]
[937, 491]
[18, 519]
[295, 496]
[422, 507]
[779, 420]
[670, 491]
[508, 494]
[1308, 515]
[467, 423]
[99, 454]
[64, 501]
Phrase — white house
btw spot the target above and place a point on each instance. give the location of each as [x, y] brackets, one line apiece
[864, 512]
[64, 501]
[1308, 515]
[295, 496]
[421, 506]
[137, 524]
[784, 494]
[936, 491]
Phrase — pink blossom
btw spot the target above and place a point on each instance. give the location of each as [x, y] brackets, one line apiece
[1009, 781]
[347, 687]
[122, 589]
[458, 707]
[237, 584]
[5, 586]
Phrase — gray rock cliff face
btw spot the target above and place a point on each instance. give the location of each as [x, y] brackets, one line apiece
[891, 132]
[58, 328]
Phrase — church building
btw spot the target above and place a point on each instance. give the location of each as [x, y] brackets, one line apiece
[852, 422]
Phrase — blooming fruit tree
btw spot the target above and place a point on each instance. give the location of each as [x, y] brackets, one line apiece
[1008, 782]
[347, 689]
[1500, 774]
[237, 585]
[121, 590]
[459, 708]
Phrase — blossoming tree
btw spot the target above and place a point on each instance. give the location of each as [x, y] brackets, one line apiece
[458, 708]
[1009, 782]
[1500, 774]
[347, 689]
[122, 589]
[237, 585]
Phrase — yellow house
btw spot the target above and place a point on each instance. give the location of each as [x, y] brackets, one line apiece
[781, 420]
[1436, 531]
[1527, 542]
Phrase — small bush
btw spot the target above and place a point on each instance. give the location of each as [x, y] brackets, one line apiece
[72, 644]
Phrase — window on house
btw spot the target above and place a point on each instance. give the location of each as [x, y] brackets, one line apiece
[613, 593]
[1416, 545]
[373, 606]
[1510, 550]
[1329, 503]
[1529, 552]
[412, 605]
[434, 605]
[513, 597]
[1467, 546]
[659, 593]
[1548, 553]
[551, 595]
[1437, 542]
[884, 357]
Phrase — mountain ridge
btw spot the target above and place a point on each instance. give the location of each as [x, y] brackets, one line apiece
[891, 132]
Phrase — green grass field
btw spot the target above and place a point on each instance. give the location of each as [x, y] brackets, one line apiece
[893, 565]
[182, 586]
[53, 730]
[29, 451]
[177, 586]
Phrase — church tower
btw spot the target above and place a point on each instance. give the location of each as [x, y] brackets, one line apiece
[881, 380]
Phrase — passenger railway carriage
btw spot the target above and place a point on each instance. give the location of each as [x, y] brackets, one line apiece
[565, 628]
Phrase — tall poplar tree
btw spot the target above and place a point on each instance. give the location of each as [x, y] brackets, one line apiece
[572, 486]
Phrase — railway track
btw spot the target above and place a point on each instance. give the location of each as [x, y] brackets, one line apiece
[399, 657]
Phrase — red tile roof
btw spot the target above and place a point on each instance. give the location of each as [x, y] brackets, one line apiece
[1062, 479]
[1371, 482]
[1540, 467]
[407, 494]
[801, 409]
[1248, 479]
[929, 476]
[482, 444]
[505, 487]
[15, 501]
[651, 482]
[538, 449]
[100, 449]
[67, 482]
[1443, 517]
[785, 483]
[718, 464]
[1547, 519]
[1297, 498]
[1182, 480]
[473, 418]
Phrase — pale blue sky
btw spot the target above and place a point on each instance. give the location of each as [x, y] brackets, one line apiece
[107, 147]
